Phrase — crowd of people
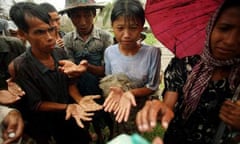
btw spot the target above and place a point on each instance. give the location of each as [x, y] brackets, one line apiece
[49, 88]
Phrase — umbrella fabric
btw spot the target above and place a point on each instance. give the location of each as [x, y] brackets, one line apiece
[180, 24]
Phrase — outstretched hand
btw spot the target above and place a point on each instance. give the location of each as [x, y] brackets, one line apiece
[120, 103]
[12, 94]
[88, 103]
[112, 101]
[71, 69]
[152, 111]
[78, 113]
[122, 112]
[14, 88]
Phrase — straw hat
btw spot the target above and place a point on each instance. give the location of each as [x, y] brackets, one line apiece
[71, 4]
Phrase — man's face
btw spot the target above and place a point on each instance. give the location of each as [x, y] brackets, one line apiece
[40, 35]
[55, 19]
[83, 20]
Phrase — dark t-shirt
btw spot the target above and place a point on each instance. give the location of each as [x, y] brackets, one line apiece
[43, 84]
[39, 82]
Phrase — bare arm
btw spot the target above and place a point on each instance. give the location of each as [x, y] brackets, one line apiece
[86, 102]
[11, 70]
[74, 93]
[139, 92]
[96, 70]
[170, 99]
[51, 106]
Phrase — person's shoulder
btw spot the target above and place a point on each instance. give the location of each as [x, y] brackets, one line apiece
[69, 35]
[111, 48]
[190, 59]
[12, 44]
[10, 40]
[102, 31]
[152, 49]
[149, 47]
[21, 57]
[21, 61]
[185, 61]
[59, 50]
[60, 53]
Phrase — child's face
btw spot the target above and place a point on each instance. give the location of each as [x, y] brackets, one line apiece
[127, 31]
[225, 37]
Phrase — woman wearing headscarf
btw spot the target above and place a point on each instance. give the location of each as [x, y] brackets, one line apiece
[203, 91]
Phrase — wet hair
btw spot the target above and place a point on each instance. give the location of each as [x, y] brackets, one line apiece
[22, 11]
[130, 9]
[48, 7]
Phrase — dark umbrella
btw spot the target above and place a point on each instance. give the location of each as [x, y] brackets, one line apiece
[180, 24]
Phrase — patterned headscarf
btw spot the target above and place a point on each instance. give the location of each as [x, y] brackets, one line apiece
[201, 74]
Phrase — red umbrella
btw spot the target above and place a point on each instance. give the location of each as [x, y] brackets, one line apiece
[180, 24]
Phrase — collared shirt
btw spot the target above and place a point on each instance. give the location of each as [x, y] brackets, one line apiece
[43, 84]
[92, 49]
[39, 82]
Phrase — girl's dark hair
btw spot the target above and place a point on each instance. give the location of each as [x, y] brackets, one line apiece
[22, 11]
[131, 9]
[48, 7]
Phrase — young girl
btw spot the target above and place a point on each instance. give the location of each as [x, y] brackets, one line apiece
[141, 63]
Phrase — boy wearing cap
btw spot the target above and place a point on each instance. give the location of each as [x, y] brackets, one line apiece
[87, 43]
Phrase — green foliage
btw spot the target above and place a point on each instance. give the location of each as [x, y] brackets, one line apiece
[150, 39]
[106, 12]
[157, 131]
